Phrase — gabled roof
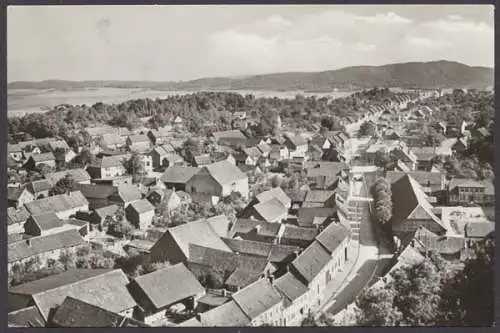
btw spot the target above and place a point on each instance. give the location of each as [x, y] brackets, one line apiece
[332, 236]
[42, 244]
[298, 233]
[111, 161]
[422, 177]
[47, 221]
[26, 317]
[76, 313]
[257, 298]
[138, 138]
[413, 204]
[296, 140]
[220, 224]
[270, 210]
[253, 152]
[329, 169]
[59, 144]
[311, 261]
[113, 139]
[306, 215]
[253, 248]
[79, 175]
[169, 285]
[101, 287]
[57, 203]
[319, 196]
[96, 191]
[228, 314]
[141, 206]
[233, 134]
[290, 287]
[479, 229]
[203, 159]
[179, 174]
[44, 157]
[14, 193]
[224, 172]
[264, 147]
[275, 193]
[249, 270]
[439, 244]
[464, 182]
[17, 215]
[128, 192]
[38, 186]
[198, 233]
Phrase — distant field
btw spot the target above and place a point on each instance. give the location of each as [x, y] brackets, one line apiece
[22, 101]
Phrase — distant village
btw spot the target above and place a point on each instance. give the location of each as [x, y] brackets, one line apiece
[254, 231]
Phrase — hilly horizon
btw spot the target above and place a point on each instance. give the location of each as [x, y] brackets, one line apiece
[434, 74]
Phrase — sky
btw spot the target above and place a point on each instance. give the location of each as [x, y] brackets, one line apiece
[179, 43]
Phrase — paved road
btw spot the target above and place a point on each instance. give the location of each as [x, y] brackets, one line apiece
[350, 292]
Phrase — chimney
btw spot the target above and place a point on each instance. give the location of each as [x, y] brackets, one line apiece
[412, 243]
[271, 278]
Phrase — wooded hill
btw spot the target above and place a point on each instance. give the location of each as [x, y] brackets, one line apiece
[436, 74]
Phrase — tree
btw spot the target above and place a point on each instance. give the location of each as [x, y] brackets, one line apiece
[468, 297]
[381, 159]
[134, 165]
[64, 185]
[44, 169]
[377, 308]
[67, 259]
[382, 199]
[84, 158]
[367, 129]
[190, 149]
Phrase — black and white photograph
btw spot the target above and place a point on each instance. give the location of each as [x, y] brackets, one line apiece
[250, 165]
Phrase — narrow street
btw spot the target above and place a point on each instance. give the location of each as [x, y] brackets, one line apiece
[372, 259]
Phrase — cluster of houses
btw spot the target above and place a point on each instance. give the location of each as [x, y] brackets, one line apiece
[270, 265]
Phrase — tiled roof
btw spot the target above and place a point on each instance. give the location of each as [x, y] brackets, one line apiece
[228, 314]
[17, 216]
[113, 139]
[142, 206]
[178, 174]
[79, 175]
[138, 138]
[422, 177]
[298, 233]
[224, 172]
[76, 313]
[26, 317]
[233, 134]
[101, 287]
[59, 144]
[38, 186]
[44, 157]
[197, 233]
[290, 286]
[42, 244]
[319, 196]
[464, 182]
[96, 191]
[439, 244]
[129, 192]
[414, 197]
[311, 261]
[257, 298]
[275, 193]
[479, 229]
[306, 215]
[270, 210]
[57, 203]
[169, 285]
[47, 221]
[249, 247]
[220, 224]
[333, 235]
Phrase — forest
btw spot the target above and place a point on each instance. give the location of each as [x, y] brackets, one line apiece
[203, 112]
